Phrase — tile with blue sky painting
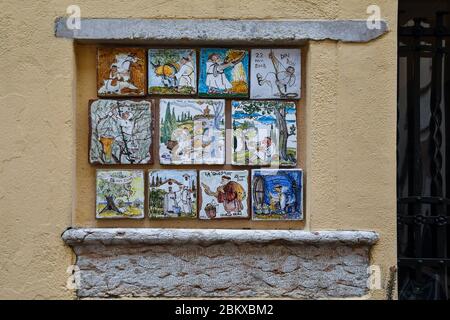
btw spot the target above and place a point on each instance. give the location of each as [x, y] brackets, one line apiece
[264, 133]
[223, 73]
[277, 194]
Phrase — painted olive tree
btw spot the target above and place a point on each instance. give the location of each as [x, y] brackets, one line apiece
[279, 109]
[113, 187]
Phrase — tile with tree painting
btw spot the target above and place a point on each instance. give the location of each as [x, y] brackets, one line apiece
[121, 132]
[120, 194]
[264, 133]
[192, 131]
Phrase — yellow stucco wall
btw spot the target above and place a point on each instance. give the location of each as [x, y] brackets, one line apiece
[350, 129]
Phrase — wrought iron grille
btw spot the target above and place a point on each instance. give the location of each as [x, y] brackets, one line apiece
[423, 156]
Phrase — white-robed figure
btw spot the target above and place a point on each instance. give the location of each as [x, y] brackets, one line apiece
[215, 74]
[186, 201]
[182, 151]
[186, 195]
[264, 152]
[278, 199]
[283, 77]
[185, 75]
[125, 121]
[170, 201]
[119, 75]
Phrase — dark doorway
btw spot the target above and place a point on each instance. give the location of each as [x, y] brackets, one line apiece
[423, 149]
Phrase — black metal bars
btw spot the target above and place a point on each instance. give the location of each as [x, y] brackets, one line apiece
[423, 170]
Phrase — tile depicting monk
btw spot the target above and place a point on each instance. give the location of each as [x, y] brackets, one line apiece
[121, 72]
[224, 194]
[172, 194]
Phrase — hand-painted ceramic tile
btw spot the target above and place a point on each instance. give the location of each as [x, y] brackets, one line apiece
[121, 132]
[224, 194]
[120, 194]
[264, 133]
[172, 193]
[277, 194]
[192, 131]
[172, 71]
[275, 74]
[223, 73]
[121, 72]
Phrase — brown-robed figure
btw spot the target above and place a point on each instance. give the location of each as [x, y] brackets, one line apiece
[229, 193]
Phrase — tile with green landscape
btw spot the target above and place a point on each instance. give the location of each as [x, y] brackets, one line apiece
[172, 194]
[264, 133]
[192, 131]
[120, 194]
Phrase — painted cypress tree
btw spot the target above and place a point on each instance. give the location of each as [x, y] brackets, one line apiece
[173, 122]
[166, 125]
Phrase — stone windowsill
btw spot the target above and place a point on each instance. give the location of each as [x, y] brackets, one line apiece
[221, 263]
[129, 236]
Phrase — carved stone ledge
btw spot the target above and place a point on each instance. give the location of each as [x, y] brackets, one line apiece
[200, 31]
[125, 236]
[221, 263]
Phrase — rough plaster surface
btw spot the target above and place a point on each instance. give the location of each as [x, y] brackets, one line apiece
[220, 263]
[236, 31]
[350, 119]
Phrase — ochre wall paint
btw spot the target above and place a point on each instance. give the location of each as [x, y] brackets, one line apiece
[350, 121]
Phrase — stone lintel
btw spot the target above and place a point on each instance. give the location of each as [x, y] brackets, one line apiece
[204, 31]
